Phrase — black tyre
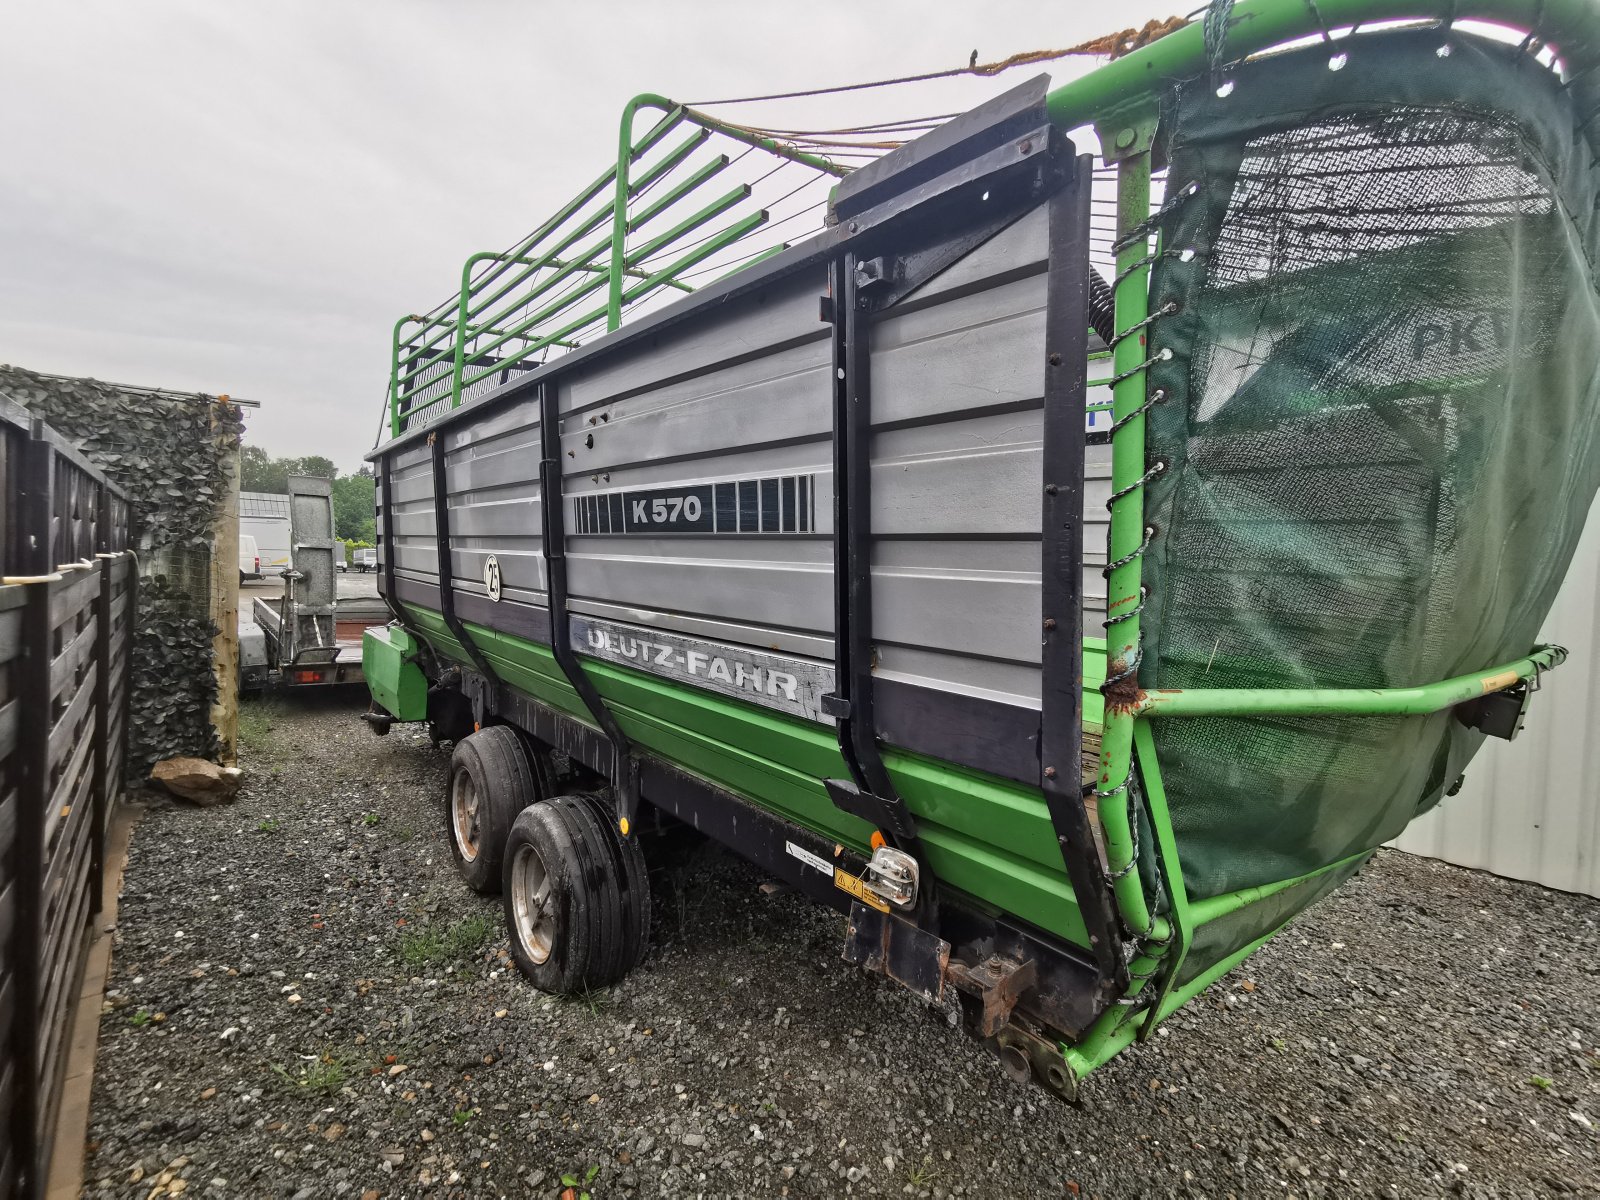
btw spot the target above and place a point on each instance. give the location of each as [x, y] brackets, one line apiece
[576, 896]
[635, 882]
[492, 779]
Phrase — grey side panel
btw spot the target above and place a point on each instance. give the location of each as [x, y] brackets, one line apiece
[492, 475]
[741, 397]
[492, 480]
[957, 395]
[409, 514]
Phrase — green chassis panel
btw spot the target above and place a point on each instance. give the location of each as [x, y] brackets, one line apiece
[986, 837]
[389, 665]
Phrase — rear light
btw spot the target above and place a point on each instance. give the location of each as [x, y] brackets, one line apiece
[305, 676]
[258, 564]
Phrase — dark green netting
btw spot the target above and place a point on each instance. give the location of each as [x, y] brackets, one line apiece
[1380, 427]
[1217, 939]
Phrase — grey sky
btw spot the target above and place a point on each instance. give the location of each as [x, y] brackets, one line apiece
[242, 197]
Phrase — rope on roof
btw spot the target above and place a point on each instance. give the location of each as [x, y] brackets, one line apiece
[1112, 45]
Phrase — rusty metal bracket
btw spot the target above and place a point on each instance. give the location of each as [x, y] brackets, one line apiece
[1128, 131]
[910, 956]
[1025, 1055]
[998, 983]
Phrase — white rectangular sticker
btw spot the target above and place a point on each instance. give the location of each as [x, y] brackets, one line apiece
[815, 861]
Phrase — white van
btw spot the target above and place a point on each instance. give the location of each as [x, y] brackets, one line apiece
[249, 558]
[265, 517]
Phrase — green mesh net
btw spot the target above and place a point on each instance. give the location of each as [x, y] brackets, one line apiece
[1379, 424]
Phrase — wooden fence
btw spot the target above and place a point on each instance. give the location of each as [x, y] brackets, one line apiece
[67, 594]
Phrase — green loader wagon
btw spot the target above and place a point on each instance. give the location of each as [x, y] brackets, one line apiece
[1067, 538]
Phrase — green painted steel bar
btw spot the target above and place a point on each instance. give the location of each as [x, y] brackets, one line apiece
[1214, 907]
[1573, 26]
[1103, 1044]
[557, 305]
[593, 267]
[549, 258]
[782, 149]
[700, 253]
[458, 362]
[1318, 702]
[762, 257]
[631, 273]
[445, 325]
[396, 416]
[518, 252]
[419, 362]
[1117, 1028]
[669, 160]
[695, 178]
[505, 259]
[518, 255]
[1179, 915]
[1126, 539]
[688, 225]
[556, 338]
[560, 304]
[626, 152]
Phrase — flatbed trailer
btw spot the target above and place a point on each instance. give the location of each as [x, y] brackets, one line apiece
[308, 636]
[1068, 565]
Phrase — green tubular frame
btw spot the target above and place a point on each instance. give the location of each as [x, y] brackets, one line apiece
[1119, 99]
[606, 263]
[627, 151]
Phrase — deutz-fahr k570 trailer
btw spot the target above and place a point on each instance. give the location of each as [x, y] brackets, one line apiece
[1069, 565]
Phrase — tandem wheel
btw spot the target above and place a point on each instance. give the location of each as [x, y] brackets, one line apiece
[493, 777]
[577, 898]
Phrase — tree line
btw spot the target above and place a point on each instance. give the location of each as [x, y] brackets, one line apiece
[353, 495]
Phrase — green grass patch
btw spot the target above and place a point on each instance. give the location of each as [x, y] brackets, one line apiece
[435, 945]
[595, 1002]
[257, 719]
[921, 1176]
[325, 1076]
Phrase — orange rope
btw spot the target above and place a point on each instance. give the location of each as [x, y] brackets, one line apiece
[1112, 45]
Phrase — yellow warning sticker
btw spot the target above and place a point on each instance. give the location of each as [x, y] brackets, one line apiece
[847, 882]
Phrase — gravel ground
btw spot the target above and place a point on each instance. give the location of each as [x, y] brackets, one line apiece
[306, 1002]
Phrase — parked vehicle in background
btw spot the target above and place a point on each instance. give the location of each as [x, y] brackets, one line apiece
[265, 517]
[249, 558]
[366, 560]
[307, 635]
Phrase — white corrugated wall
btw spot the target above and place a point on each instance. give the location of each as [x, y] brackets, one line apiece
[1530, 808]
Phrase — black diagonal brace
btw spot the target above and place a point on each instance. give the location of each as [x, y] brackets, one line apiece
[625, 768]
[869, 793]
[1065, 370]
[447, 583]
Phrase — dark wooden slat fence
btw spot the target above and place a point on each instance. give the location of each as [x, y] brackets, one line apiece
[67, 595]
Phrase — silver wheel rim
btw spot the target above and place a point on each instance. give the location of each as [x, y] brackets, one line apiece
[531, 904]
[464, 801]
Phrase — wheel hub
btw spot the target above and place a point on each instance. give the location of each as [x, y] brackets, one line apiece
[533, 915]
[464, 815]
